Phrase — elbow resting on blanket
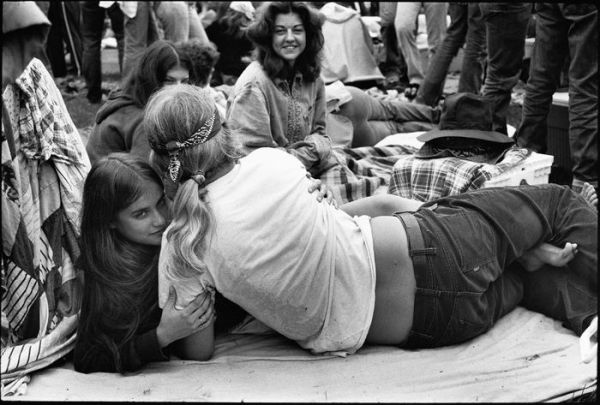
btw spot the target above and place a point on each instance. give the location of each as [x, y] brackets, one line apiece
[199, 346]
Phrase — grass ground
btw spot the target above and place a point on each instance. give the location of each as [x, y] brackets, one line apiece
[82, 111]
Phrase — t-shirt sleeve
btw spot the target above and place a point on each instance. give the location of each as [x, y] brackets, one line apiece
[188, 283]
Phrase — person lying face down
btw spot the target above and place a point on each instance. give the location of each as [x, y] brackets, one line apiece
[124, 215]
[381, 270]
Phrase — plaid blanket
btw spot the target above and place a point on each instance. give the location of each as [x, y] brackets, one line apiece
[428, 179]
[361, 172]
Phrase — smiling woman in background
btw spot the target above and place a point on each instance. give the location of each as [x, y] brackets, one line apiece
[279, 99]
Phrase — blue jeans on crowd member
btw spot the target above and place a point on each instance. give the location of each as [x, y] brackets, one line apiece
[506, 29]
[465, 264]
[180, 21]
[474, 53]
[466, 25]
[405, 24]
[139, 31]
[563, 30]
[373, 119]
[92, 28]
[394, 66]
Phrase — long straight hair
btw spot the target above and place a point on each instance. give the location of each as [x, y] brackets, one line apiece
[260, 32]
[150, 71]
[174, 113]
[120, 276]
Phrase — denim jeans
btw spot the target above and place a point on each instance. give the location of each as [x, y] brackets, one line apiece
[180, 21]
[466, 27]
[474, 52]
[405, 25]
[394, 64]
[562, 31]
[91, 31]
[432, 86]
[466, 271]
[139, 31]
[65, 30]
[374, 119]
[506, 28]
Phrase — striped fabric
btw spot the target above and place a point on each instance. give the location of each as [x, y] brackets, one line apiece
[41, 203]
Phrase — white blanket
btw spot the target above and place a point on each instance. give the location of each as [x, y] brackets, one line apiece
[525, 357]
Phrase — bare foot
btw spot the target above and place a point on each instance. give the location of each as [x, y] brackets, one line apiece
[546, 253]
[589, 193]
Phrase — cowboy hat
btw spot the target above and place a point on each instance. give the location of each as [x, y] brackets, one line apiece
[465, 131]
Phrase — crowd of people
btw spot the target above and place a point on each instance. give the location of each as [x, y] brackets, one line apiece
[198, 190]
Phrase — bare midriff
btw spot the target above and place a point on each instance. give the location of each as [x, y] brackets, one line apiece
[395, 283]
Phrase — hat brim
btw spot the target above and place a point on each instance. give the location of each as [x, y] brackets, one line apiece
[489, 136]
[21, 14]
[428, 152]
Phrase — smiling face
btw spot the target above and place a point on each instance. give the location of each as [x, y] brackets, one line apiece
[177, 75]
[144, 220]
[289, 37]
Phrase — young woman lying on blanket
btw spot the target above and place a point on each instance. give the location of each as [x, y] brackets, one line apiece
[121, 327]
[335, 279]
[279, 99]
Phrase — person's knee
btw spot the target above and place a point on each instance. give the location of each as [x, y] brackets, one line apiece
[357, 109]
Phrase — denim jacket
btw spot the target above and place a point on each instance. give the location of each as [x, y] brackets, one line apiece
[266, 113]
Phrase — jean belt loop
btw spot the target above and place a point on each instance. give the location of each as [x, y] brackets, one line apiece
[416, 244]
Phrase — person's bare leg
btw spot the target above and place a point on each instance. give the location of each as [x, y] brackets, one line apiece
[546, 253]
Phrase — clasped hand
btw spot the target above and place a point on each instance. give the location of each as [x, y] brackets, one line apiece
[176, 323]
[321, 190]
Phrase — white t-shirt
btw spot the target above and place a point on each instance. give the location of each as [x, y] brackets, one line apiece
[301, 267]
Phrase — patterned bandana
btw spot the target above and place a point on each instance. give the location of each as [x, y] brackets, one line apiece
[209, 129]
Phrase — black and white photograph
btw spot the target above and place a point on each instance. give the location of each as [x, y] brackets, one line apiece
[289, 201]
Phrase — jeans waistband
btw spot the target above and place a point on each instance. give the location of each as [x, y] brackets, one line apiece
[422, 331]
[416, 244]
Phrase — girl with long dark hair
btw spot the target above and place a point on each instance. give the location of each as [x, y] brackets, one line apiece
[121, 327]
[117, 123]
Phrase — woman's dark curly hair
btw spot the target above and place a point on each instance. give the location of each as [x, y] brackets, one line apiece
[261, 33]
[233, 22]
[204, 57]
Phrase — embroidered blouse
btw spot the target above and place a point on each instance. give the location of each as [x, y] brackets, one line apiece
[267, 112]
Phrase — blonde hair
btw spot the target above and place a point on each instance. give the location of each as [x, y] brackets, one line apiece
[174, 113]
